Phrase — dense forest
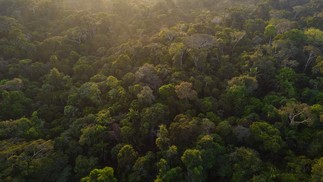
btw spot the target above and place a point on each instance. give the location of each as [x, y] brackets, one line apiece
[161, 90]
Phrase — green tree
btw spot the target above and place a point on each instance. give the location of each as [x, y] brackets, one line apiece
[317, 170]
[101, 175]
[266, 136]
[95, 138]
[167, 91]
[314, 36]
[234, 100]
[297, 113]
[13, 104]
[193, 161]
[286, 79]
[177, 50]
[146, 96]
[151, 118]
[144, 168]
[21, 128]
[270, 32]
[147, 74]
[210, 150]
[127, 157]
[313, 52]
[162, 140]
[244, 164]
[184, 90]
[184, 130]
[87, 94]
[250, 83]
[83, 165]
[168, 174]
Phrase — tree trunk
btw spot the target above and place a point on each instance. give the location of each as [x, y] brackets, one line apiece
[310, 58]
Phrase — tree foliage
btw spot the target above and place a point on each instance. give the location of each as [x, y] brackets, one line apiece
[161, 90]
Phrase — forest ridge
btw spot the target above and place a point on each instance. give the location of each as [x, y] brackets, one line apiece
[161, 90]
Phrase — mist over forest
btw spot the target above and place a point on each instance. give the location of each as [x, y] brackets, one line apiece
[161, 90]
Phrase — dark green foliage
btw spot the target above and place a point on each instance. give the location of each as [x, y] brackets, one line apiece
[266, 136]
[101, 175]
[161, 90]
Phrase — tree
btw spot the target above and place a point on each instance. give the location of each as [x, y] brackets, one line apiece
[284, 49]
[317, 168]
[313, 52]
[167, 34]
[87, 94]
[250, 83]
[35, 160]
[318, 67]
[167, 91]
[83, 165]
[270, 32]
[241, 133]
[234, 100]
[56, 79]
[198, 41]
[100, 175]
[14, 104]
[112, 82]
[183, 131]
[298, 167]
[82, 70]
[164, 90]
[297, 113]
[193, 161]
[126, 159]
[236, 37]
[177, 51]
[286, 79]
[168, 174]
[14, 42]
[184, 90]
[210, 150]
[198, 48]
[254, 26]
[21, 128]
[12, 85]
[244, 164]
[284, 25]
[199, 57]
[147, 74]
[151, 118]
[51, 46]
[146, 96]
[90, 91]
[144, 168]
[95, 138]
[55, 88]
[314, 36]
[295, 35]
[121, 64]
[266, 136]
[236, 17]
[162, 141]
